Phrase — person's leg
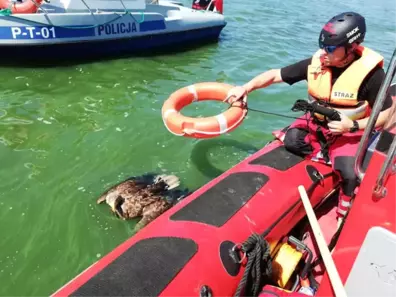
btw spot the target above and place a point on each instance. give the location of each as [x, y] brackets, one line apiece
[342, 155]
[295, 141]
[298, 137]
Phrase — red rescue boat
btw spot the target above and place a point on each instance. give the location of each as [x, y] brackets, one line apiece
[196, 248]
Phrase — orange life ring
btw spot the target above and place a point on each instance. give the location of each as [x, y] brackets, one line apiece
[27, 6]
[207, 127]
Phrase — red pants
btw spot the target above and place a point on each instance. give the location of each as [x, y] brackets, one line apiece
[302, 138]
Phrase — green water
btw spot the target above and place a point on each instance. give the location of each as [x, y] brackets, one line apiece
[67, 133]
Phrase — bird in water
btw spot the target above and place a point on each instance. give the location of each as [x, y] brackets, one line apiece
[146, 196]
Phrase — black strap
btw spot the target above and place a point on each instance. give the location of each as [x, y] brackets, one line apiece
[317, 107]
[324, 144]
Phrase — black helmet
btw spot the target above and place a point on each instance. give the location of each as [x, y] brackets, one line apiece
[343, 29]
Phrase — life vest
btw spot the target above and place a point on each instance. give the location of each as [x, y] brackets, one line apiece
[343, 95]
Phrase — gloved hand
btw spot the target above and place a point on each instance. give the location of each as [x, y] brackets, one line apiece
[340, 127]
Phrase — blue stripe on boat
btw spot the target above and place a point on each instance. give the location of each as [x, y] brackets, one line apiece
[51, 32]
[152, 26]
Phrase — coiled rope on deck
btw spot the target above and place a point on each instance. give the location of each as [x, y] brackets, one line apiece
[259, 265]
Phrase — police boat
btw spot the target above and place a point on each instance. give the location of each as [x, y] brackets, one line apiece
[34, 29]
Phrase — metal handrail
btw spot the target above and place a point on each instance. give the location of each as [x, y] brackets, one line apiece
[207, 9]
[379, 189]
[379, 102]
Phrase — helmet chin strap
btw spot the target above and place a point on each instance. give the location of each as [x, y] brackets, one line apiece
[349, 55]
[348, 59]
[345, 61]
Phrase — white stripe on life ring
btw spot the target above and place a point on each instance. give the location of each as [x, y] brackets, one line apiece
[222, 123]
[164, 118]
[193, 91]
[166, 113]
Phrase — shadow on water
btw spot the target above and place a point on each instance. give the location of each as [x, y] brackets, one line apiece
[45, 57]
[199, 154]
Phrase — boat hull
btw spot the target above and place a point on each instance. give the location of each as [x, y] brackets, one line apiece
[163, 43]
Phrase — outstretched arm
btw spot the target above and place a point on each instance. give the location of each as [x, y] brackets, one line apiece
[289, 74]
[264, 80]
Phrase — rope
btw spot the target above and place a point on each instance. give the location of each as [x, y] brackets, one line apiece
[259, 264]
[272, 113]
[262, 111]
[302, 105]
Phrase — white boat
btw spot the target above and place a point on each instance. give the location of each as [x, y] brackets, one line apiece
[86, 28]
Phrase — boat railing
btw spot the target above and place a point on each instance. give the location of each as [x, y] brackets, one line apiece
[387, 166]
[120, 5]
[210, 4]
[123, 9]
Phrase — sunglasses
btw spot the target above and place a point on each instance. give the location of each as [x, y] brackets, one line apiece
[330, 48]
